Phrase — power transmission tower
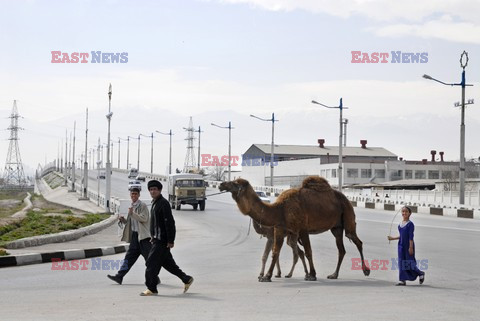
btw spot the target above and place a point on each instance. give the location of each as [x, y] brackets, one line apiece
[189, 164]
[13, 175]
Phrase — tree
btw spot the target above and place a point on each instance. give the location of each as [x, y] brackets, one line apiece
[217, 172]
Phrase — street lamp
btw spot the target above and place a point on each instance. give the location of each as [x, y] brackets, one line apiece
[73, 158]
[128, 150]
[170, 154]
[151, 153]
[345, 122]
[85, 164]
[138, 159]
[340, 156]
[108, 166]
[273, 120]
[463, 64]
[198, 156]
[229, 127]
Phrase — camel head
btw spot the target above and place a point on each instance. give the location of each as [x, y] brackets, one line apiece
[235, 187]
[242, 193]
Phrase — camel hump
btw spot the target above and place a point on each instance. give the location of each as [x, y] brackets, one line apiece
[316, 183]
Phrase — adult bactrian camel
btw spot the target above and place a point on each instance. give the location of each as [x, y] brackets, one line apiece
[268, 232]
[314, 208]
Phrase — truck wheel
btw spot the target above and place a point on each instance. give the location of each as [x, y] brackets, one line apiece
[195, 206]
[178, 206]
[202, 205]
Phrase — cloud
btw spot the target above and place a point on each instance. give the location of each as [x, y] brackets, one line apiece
[394, 18]
[444, 28]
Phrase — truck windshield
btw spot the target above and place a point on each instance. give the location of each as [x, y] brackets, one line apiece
[190, 183]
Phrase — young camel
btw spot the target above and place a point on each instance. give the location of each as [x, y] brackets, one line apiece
[291, 241]
[312, 209]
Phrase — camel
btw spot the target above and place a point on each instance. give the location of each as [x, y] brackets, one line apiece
[313, 208]
[268, 232]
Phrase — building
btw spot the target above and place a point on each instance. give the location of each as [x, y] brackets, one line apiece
[362, 166]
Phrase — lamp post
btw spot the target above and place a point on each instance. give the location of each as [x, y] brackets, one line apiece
[151, 153]
[229, 127]
[128, 150]
[85, 164]
[340, 156]
[138, 159]
[345, 122]
[73, 158]
[170, 153]
[108, 166]
[463, 64]
[66, 153]
[273, 120]
[198, 156]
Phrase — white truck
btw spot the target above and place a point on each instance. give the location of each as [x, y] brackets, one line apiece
[132, 173]
[186, 189]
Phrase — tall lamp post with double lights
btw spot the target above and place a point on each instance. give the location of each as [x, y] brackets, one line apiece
[170, 153]
[229, 127]
[151, 152]
[463, 64]
[108, 165]
[340, 156]
[273, 120]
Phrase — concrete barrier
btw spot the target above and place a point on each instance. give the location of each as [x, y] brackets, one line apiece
[389, 207]
[369, 205]
[436, 210]
[464, 213]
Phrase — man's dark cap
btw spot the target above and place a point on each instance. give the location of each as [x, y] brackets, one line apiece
[154, 183]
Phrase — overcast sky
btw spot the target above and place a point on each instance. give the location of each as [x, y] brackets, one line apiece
[222, 60]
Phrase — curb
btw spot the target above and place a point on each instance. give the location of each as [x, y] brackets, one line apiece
[67, 255]
[62, 236]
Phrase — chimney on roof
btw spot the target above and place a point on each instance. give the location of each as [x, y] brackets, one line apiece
[321, 143]
[433, 152]
[441, 156]
[364, 143]
[424, 161]
[401, 158]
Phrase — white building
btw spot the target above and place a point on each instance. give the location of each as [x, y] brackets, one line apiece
[362, 165]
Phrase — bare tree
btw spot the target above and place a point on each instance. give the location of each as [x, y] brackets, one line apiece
[450, 176]
[217, 172]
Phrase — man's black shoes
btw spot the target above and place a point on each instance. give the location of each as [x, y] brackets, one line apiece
[115, 278]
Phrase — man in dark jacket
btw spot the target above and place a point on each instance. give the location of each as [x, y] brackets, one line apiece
[162, 230]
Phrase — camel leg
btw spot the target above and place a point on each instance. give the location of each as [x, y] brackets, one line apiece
[338, 233]
[312, 276]
[277, 246]
[292, 242]
[353, 236]
[297, 252]
[279, 272]
[266, 252]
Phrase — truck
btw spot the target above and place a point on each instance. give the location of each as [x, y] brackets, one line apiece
[186, 189]
[132, 173]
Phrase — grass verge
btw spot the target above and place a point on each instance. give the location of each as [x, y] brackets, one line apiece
[37, 224]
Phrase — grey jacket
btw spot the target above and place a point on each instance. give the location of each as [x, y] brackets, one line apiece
[142, 215]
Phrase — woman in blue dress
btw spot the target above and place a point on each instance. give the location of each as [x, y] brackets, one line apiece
[407, 265]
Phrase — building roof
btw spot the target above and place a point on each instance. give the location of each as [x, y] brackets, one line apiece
[317, 151]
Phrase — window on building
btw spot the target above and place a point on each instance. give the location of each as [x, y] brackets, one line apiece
[327, 173]
[396, 175]
[334, 173]
[380, 173]
[420, 174]
[408, 174]
[433, 174]
[352, 172]
[366, 173]
[448, 175]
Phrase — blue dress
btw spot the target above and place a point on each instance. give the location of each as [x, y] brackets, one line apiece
[407, 265]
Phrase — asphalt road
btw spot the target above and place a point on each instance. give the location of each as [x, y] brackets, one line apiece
[216, 248]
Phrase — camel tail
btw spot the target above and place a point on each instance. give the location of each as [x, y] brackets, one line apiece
[348, 216]
[316, 183]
